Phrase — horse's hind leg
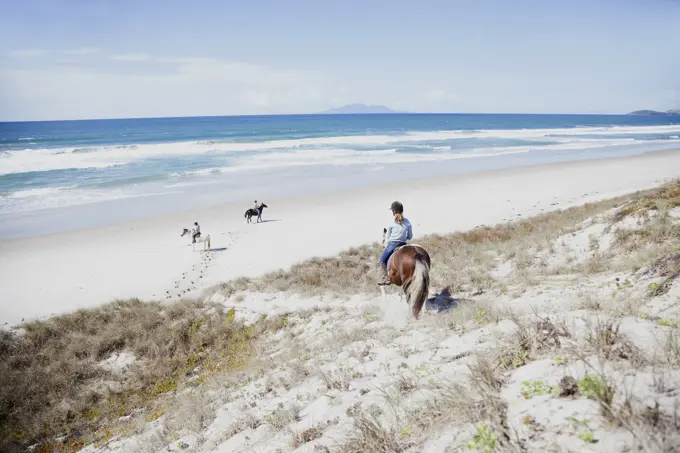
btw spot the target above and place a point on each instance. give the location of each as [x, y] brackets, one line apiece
[382, 290]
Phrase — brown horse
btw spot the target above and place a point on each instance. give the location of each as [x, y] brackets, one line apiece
[409, 268]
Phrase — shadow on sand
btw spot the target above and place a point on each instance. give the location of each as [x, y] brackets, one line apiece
[267, 221]
[221, 249]
[443, 302]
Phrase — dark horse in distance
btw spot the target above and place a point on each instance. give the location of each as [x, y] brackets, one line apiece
[251, 212]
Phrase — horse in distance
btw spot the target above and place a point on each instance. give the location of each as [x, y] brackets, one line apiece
[251, 212]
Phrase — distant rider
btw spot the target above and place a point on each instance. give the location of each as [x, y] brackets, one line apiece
[256, 208]
[397, 233]
[197, 232]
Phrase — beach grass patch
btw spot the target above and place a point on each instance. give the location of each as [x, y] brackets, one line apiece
[62, 378]
[464, 261]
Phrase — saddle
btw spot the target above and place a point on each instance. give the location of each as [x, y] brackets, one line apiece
[389, 260]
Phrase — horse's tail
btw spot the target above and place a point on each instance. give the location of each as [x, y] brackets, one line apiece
[419, 286]
[246, 214]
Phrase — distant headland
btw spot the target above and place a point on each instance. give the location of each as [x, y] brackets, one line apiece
[359, 108]
[654, 112]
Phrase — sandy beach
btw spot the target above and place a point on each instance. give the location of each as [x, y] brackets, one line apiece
[553, 330]
[148, 259]
[535, 150]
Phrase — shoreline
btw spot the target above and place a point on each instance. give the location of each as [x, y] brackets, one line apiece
[153, 200]
[329, 193]
[61, 272]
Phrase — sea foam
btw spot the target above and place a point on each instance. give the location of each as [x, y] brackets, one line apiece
[40, 160]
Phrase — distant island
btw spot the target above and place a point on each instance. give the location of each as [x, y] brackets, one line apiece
[359, 108]
[654, 112]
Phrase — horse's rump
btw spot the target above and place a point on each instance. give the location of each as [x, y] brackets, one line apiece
[409, 267]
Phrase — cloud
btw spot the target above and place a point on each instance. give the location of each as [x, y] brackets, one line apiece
[80, 51]
[25, 53]
[131, 57]
[187, 87]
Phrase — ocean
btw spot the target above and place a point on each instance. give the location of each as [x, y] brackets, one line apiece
[59, 175]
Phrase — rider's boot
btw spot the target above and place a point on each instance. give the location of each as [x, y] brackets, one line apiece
[383, 279]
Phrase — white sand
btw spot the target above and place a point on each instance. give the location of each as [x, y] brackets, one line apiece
[148, 259]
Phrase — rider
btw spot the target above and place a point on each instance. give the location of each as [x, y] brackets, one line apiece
[256, 208]
[197, 232]
[398, 233]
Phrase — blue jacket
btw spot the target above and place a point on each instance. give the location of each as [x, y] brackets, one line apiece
[399, 233]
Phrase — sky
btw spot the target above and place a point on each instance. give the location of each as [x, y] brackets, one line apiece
[81, 59]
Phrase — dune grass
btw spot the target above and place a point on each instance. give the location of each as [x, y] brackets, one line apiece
[57, 381]
[463, 261]
[53, 381]
[662, 199]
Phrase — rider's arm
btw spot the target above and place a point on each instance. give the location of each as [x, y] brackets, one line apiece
[409, 234]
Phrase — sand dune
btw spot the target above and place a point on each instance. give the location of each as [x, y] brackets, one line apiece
[149, 260]
[556, 332]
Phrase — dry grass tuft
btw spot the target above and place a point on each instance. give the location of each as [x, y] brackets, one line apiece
[539, 335]
[463, 262]
[337, 379]
[313, 433]
[652, 430]
[371, 435]
[606, 341]
[659, 230]
[667, 267]
[281, 417]
[485, 376]
[663, 199]
[53, 385]
[530, 340]
[672, 351]
[476, 400]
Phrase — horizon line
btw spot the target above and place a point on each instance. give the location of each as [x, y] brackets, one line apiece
[309, 114]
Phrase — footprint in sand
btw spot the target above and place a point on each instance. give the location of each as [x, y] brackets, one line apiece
[189, 280]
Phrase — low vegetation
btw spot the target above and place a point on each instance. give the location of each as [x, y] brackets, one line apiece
[662, 199]
[94, 375]
[463, 262]
[55, 380]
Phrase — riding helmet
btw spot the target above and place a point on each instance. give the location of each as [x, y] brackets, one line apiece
[397, 207]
